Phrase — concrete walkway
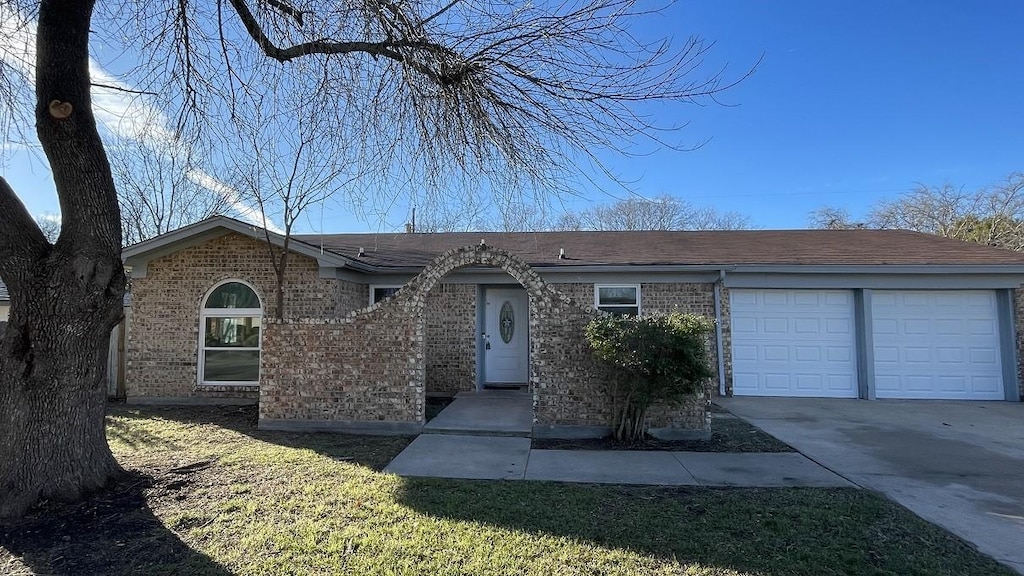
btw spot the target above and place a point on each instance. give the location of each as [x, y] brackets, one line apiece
[510, 458]
[957, 464]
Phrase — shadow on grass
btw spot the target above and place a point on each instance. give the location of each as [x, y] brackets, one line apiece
[768, 532]
[372, 452]
[113, 532]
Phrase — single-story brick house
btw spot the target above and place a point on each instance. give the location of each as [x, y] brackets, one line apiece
[376, 322]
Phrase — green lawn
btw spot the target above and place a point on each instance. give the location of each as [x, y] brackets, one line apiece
[211, 495]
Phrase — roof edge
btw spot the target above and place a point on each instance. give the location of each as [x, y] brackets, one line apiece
[175, 240]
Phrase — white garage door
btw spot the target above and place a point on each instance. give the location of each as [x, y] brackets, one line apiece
[793, 343]
[937, 344]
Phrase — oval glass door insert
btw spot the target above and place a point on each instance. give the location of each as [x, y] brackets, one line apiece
[507, 322]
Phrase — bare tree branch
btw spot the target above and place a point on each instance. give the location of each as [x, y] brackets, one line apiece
[661, 213]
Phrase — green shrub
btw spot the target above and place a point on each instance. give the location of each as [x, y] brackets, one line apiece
[658, 358]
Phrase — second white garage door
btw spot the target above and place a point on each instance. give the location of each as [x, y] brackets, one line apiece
[793, 343]
[937, 344]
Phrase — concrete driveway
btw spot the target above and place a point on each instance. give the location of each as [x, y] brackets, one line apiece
[957, 464]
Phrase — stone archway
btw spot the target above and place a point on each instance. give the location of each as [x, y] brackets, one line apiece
[366, 372]
[454, 315]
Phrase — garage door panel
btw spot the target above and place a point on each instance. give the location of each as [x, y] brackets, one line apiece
[807, 353]
[982, 328]
[917, 355]
[986, 385]
[744, 325]
[945, 344]
[803, 344]
[886, 326]
[742, 352]
[916, 327]
[983, 356]
[806, 326]
[884, 354]
[946, 355]
[841, 356]
[808, 382]
[744, 381]
[838, 326]
[841, 382]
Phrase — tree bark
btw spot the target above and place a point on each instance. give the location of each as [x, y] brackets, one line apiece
[65, 297]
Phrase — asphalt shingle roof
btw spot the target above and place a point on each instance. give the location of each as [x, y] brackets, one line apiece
[770, 247]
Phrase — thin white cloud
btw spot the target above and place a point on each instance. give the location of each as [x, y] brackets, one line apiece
[120, 112]
[244, 211]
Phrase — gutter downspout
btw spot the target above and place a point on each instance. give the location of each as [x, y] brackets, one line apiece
[719, 346]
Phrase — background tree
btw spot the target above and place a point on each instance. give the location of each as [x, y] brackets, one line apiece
[517, 93]
[158, 189]
[49, 225]
[832, 218]
[661, 213]
[286, 164]
[990, 215]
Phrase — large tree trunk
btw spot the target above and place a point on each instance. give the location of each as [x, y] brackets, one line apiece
[66, 297]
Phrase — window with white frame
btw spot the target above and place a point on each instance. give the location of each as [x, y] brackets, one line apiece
[380, 292]
[618, 299]
[229, 325]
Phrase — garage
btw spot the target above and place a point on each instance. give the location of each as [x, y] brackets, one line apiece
[941, 344]
[793, 343]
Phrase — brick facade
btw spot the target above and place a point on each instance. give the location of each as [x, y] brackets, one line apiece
[726, 345]
[451, 339]
[163, 340]
[336, 360]
[372, 365]
[1018, 309]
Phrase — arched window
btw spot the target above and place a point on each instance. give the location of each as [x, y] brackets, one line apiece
[229, 325]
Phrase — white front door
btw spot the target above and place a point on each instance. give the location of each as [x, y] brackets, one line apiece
[506, 336]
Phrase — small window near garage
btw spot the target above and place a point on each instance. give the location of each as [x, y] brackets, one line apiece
[617, 299]
[379, 292]
[229, 326]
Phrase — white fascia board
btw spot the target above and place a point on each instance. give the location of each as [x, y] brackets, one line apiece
[138, 255]
[891, 281]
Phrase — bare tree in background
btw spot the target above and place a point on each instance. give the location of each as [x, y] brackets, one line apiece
[661, 213]
[157, 189]
[286, 165]
[832, 218]
[521, 94]
[49, 225]
[991, 215]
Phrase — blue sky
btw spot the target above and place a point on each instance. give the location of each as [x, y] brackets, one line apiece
[854, 102]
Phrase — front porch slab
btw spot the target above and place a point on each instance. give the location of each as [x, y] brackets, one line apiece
[491, 413]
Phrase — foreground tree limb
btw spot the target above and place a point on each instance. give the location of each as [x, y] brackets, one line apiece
[65, 298]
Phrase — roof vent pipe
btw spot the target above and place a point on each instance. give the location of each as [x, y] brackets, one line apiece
[561, 253]
[361, 252]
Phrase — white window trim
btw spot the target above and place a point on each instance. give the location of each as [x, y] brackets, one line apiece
[374, 287]
[597, 297]
[205, 313]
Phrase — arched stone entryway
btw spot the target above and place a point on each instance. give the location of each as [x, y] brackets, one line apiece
[366, 372]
